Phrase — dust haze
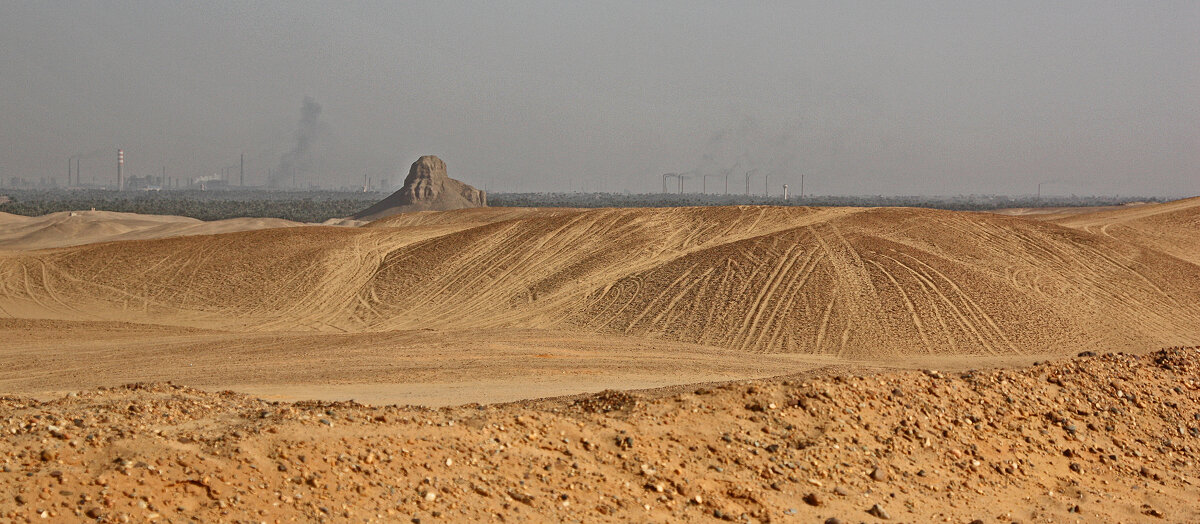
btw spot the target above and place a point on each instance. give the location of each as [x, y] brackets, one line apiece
[313, 349]
[929, 98]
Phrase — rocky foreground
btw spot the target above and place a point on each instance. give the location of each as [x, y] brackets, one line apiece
[1111, 438]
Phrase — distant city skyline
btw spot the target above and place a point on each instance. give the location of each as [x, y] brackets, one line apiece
[904, 98]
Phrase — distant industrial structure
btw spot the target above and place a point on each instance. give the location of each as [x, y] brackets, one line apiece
[679, 179]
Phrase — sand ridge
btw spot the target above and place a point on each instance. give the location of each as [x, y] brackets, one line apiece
[74, 228]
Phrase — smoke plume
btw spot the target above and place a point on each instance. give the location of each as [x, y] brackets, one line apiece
[760, 148]
[302, 162]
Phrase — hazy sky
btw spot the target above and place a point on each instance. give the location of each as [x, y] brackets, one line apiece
[865, 98]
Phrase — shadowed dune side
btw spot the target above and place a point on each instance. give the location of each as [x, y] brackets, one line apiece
[850, 282]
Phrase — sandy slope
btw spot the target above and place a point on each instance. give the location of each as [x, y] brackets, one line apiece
[1111, 438]
[450, 307]
[1171, 227]
[840, 281]
[73, 228]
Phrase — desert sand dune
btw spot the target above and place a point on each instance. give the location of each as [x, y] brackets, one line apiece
[1171, 227]
[846, 282]
[849, 282]
[74, 228]
[1055, 213]
[881, 282]
[470, 216]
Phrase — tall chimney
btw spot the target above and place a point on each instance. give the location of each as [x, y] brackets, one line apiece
[120, 164]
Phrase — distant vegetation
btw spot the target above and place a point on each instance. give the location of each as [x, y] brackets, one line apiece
[318, 206]
[300, 206]
[960, 202]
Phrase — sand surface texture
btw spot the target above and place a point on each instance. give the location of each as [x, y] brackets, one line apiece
[745, 364]
[1109, 438]
[498, 304]
[73, 228]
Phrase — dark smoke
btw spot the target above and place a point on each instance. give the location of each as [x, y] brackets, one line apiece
[301, 163]
[758, 148]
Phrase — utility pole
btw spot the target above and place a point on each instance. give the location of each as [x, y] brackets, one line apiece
[1039, 196]
[801, 186]
[767, 185]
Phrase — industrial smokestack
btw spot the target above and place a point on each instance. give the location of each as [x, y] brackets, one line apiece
[242, 171]
[120, 164]
[785, 193]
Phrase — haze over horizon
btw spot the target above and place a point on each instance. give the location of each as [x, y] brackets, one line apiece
[865, 98]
